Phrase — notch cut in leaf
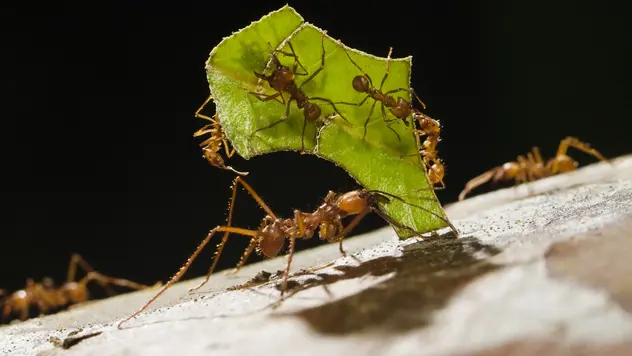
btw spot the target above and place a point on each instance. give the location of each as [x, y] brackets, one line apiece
[379, 162]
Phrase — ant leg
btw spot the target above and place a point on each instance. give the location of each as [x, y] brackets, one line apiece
[352, 225]
[267, 97]
[296, 61]
[536, 155]
[340, 248]
[478, 181]
[230, 153]
[355, 64]
[388, 67]
[333, 106]
[419, 100]
[77, 260]
[245, 255]
[107, 280]
[226, 229]
[229, 220]
[389, 122]
[267, 127]
[322, 63]
[366, 122]
[286, 272]
[396, 91]
[303, 135]
[579, 145]
[354, 104]
[201, 116]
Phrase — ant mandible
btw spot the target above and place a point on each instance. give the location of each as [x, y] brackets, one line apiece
[45, 297]
[212, 145]
[533, 167]
[270, 237]
[282, 80]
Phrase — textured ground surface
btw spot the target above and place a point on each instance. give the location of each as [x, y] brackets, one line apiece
[542, 274]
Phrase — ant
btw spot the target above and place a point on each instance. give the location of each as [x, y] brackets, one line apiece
[282, 80]
[46, 297]
[270, 237]
[533, 167]
[401, 109]
[430, 128]
[213, 144]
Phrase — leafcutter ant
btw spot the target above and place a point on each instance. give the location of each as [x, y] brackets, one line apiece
[45, 297]
[270, 237]
[212, 145]
[401, 109]
[532, 167]
[282, 80]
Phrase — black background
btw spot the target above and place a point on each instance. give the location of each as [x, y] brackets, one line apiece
[97, 115]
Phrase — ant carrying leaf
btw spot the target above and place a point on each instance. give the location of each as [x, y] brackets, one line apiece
[273, 232]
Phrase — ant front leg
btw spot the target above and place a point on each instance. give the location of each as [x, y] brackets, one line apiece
[297, 63]
[267, 97]
[199, 110]
[356, 65]
[388, 67]
[231, 207]
[322, 63]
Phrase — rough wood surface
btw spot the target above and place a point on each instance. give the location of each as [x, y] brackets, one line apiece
[541, 274]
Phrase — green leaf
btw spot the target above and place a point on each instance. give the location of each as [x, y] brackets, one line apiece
[376, 162]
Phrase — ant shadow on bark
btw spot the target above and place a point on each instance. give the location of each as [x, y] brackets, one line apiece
[426, 276]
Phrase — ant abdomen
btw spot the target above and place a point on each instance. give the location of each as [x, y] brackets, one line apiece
[311, 111]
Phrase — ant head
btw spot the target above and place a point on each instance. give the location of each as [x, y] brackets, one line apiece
[311, 111]
[361, 83]
[355, 202]
[271, 239]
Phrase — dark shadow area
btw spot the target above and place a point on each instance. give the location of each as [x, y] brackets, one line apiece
[426, 276]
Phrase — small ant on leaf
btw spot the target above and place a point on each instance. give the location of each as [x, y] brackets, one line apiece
[212, 145]
[401, 109]
[45, 297]
[273, 231]
[282, 80]
[533, 167]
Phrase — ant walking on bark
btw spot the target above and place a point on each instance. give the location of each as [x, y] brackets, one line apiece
[532, 167]
[212, 145]
[401, 109]
[45, 297]
[270, 237]
[282, 80]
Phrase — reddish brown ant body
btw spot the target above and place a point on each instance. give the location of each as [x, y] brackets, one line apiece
[401, 109]
[212, 145]
[532, 167]
[45, 297]
[282, 80]
[273, 231]
[428, 149]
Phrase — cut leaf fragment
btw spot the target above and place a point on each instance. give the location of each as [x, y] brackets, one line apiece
[382, 161]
